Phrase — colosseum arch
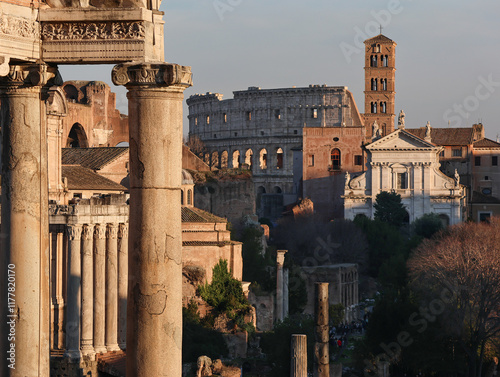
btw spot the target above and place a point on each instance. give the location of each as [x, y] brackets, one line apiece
[236, 159]
[263, 159]
[277, 190]
[279, 158]
[215, 159]
[224, 159]
[249, 158]
[77, 138]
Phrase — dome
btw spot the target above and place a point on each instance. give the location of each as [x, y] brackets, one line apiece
[187, 178]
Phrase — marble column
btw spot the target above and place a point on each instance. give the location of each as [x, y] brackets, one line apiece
[154, 310]
[321, 347]
[280, 260]
[286, 294]
[99, 287]
[122, 284]
[112, 288]
[298, 365]
[24, 256]
[87, 337]
[73, 302]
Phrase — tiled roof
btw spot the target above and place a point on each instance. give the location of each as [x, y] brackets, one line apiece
[196, 215]
[446, 136]
[486, 143]
[379, 38]
[478, 197]
[80, 178]
[205, 243]
[92, 158]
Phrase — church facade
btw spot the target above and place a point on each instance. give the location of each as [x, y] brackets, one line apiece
[408, 165]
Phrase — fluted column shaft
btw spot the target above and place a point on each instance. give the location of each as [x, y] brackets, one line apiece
[73, 302]
[112, 288]
[87, 342]
[154, 311]
[298, 365]
[99, 287]
[24, 256]
[122, 284]
[280, 260]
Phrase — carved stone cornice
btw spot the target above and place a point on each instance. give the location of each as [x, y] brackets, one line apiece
[18, 26]
[152, 74]
[74, 232]
[123, 230]
[31, 75]
[112, 231]
[114, 30]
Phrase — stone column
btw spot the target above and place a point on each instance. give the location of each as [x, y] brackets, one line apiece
[112, 288]
[24, 240]
[285, 293]
[280, 260]
[154, 311]
[122, 284]
[99, 287]
[321, 347]
[73, 302]
[298, 367]
[87, 338]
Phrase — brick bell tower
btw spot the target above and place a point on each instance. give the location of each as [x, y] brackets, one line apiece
[380, 72]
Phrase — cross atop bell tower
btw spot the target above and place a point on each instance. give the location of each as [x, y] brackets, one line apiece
[380, 73]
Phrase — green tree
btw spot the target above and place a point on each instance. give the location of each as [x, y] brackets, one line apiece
[224, 292]
[427, 225]
[389, 209]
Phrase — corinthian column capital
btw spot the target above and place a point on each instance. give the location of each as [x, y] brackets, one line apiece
[31, 75]
[123, 230]
[152, 74]
[74, 232]
[111, 231]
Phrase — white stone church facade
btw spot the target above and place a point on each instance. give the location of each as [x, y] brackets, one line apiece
[408, 165]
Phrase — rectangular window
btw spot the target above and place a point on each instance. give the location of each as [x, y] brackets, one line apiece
[441, 154]
[358, 160]
[311, 160]
[277, 114]
[456, 152]
[196, 121]
[477, 161]
[208, 119]
[401, 181]
[315, 113]
[494, 160]
[224, 116]
[484, 216]
[249, 115]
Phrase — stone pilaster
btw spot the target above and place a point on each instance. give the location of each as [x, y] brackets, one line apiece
[321, 347]
[298, 364]
[73, 302]
[280, 260]
[25, 225]
[112, 288]
[87, 338]
[99, 287]
[154, 312]
[122, 284]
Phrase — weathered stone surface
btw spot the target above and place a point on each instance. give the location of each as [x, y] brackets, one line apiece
[298, 364]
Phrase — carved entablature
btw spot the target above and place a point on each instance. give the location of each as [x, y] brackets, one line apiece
[158, 74]
[110, 35]
[18, 26]
[19, 36]
[56, 209]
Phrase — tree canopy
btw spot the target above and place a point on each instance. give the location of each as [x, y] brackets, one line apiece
[390, 209]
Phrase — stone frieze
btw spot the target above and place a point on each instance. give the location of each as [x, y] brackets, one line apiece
[18, 26]
[93, 31]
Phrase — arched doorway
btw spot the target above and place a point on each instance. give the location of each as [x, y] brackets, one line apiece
[77, 137]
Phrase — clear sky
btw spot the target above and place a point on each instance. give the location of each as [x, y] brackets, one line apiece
[447, 58]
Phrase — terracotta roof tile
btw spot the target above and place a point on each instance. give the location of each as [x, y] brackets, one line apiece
[379, 38]
[196, 215]
[486, 143]
[446, 136]
[80, 178]
[205, 243]
[92, 158]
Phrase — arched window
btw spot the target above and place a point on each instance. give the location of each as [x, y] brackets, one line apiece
[263, 159]
[236, 159]
[374, 107]
[373, 61]
[383, 107]
[277, 190]
[385, 60]
[215, 159]
[384, 84]
[77, 137]
[182, 197]
[223, 159]
[190, 197]
[279, 158]
[248, 158]
[335, 158]
[374, 84]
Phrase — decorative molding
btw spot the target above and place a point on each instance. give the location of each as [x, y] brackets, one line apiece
[112, 231]
[87, 232]
[18, 26]
[99, 231]
[58, 31]
[56, 209]
[74, 232]
[159, 74]
[32, 75]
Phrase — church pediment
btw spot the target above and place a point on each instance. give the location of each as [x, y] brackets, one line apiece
[401, 140]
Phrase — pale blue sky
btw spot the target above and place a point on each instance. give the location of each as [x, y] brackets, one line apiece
[446, 51]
